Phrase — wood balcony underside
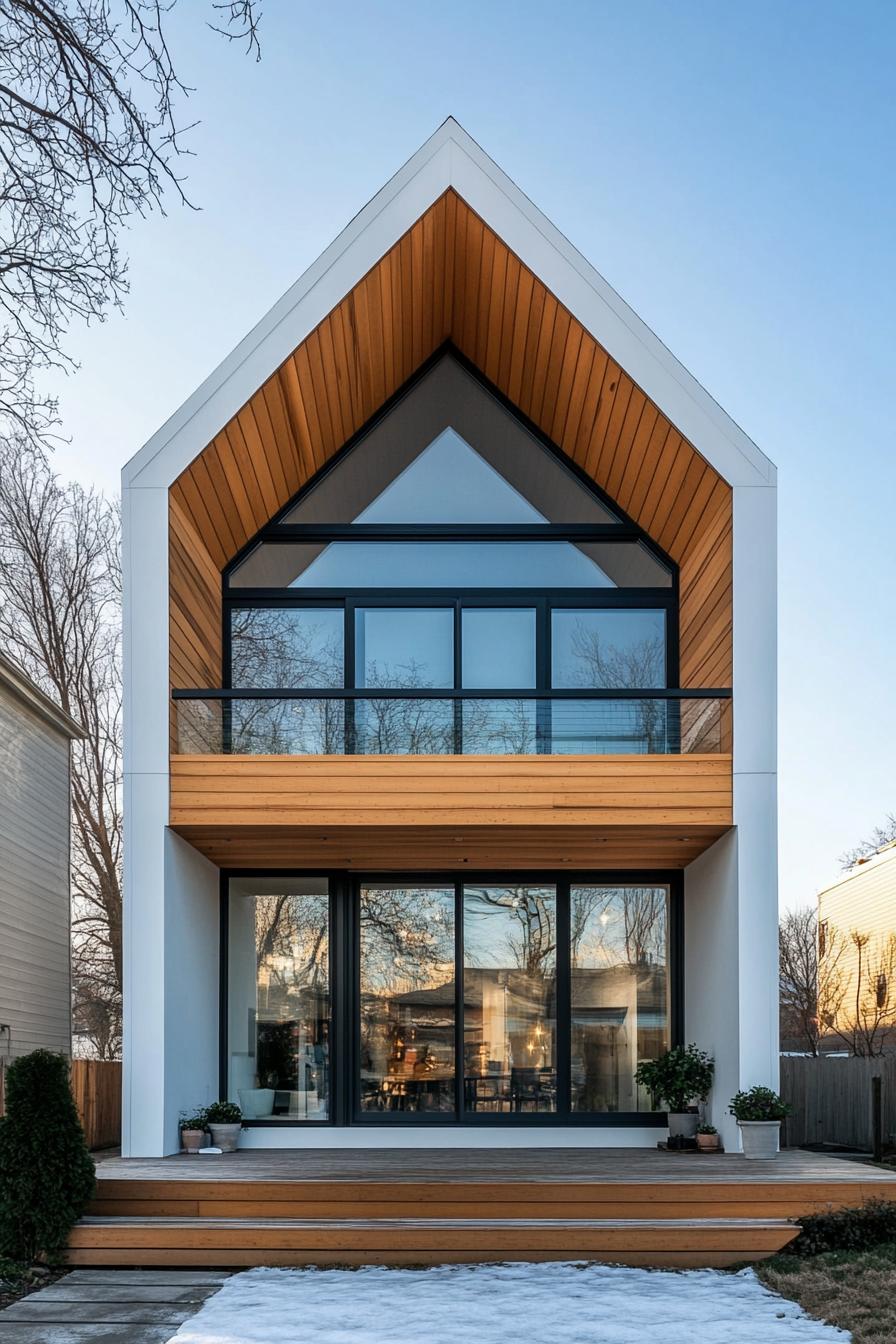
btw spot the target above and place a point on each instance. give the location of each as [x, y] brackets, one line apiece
[404, 812]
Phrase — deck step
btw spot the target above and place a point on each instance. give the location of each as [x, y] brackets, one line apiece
[295, 1241]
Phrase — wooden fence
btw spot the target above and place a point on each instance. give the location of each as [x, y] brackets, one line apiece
[831, 1100]
[96, 1088]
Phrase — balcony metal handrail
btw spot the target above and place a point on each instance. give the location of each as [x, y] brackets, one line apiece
[435, 693]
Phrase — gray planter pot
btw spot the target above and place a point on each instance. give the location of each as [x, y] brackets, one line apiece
[683, 1124]
[225, 1137]
[760, 1138]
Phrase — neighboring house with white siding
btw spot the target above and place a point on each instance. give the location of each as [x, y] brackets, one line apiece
[857, 938]
[35, 812]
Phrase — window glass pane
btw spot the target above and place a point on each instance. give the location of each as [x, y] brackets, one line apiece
[407, 1058]
[498, 647]
[434, 564]
[608, 648]
[450, 483]
[496, 727]
[404, 647]
[283, 727]
[510, 1063]
[620, 992]
[286, 647]
[278, 992]
[404, 727]
[449, 451]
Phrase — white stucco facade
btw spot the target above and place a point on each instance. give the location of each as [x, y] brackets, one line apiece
[171, 928]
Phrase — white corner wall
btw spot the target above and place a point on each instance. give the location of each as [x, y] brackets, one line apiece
[731, 891]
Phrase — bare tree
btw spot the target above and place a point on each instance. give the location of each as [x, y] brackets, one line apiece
[60, 592]
[811, 979]
[880, 836]
[90, 136]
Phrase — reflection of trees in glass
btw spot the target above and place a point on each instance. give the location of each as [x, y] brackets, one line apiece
[291, 945]
[407, 938]
[275, 647]
[526, 940]
[402, 726]
[614, 925]
[642, 663]
[499, 726]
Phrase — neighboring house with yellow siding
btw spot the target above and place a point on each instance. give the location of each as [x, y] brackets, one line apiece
[857, 948]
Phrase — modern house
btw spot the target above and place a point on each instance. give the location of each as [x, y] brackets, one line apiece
[35, 902]
[857, 955]
[450, 705]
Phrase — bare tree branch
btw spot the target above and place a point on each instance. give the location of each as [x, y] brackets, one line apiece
[60, 618]
[90, 136]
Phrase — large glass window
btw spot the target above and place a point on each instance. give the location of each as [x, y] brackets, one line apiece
[278, 988]
[407, 999]
[510, 982]
[619, 992]
[449, 548]
[461, 1000]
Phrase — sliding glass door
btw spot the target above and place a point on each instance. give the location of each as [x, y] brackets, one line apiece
[448, 1000]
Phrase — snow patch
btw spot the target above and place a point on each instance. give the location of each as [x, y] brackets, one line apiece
[559, 1303]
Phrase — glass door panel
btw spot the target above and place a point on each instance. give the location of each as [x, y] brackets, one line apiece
[278, 992]
[619, 992]
[498, 651]
[510, 1030]
[407, 999]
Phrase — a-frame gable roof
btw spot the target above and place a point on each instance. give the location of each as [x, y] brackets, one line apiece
[451, 172]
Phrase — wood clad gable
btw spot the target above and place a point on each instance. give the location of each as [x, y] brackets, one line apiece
[450, 278]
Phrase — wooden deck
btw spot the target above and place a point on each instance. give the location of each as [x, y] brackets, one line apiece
[393, 1206]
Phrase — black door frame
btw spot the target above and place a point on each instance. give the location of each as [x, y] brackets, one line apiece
[344, 970]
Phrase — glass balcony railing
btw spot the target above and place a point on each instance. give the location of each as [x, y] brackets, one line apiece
[452, 723]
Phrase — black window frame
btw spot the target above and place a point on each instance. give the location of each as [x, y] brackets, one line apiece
[344, 970]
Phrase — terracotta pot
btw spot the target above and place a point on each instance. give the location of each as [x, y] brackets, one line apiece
[708, 1143]
[192, 1140]
[225, 1137]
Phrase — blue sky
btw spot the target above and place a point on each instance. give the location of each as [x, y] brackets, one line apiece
[728, 167]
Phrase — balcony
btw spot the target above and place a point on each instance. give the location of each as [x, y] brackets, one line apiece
[389, 722]
[430, 781]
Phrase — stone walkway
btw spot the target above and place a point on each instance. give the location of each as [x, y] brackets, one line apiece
[118, 1306]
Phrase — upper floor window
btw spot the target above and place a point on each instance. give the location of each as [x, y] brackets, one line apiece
[449, 490]
[450, 550]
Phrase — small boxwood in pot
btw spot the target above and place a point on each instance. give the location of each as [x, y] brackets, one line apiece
[680, 1076]
[759, 1104]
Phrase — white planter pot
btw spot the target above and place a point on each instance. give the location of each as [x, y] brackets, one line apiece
[683, 1124]
[760, 1138]
[256, 1102]
[225, 1137]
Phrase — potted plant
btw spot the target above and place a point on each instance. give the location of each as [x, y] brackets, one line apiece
[225, 1121]
[679, 1077]
[759, 1112]
[708, 1139]
[192, 1130]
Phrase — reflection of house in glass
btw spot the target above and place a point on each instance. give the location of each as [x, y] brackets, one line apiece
[619, 1017]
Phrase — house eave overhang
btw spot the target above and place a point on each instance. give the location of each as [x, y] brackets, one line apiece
[450, 160]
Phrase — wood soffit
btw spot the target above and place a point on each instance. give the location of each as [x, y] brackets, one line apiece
[449, 278]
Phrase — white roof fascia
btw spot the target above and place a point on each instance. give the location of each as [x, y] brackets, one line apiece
[450, 158]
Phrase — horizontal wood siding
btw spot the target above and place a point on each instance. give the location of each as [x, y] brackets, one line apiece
[444, 790]
[35, 987]
[437, 811]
